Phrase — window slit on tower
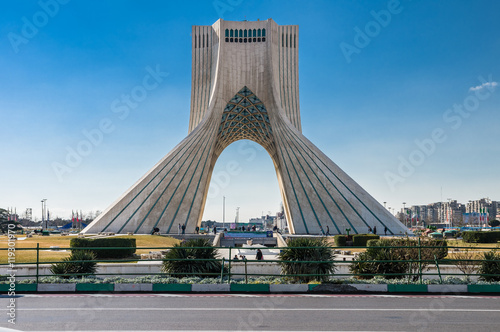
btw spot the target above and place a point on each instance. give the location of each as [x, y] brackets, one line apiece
[241, 36]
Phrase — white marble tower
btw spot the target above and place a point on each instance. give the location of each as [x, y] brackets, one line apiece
[245, 85]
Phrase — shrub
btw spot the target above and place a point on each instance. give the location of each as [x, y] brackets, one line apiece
[195, 257]
[76, 265]
[106, 242]
[340, 240]
[360, 240]
[296, 259]
[464, 261]
[489, 268]
[494, 223]
[481, 237]
[396, 262]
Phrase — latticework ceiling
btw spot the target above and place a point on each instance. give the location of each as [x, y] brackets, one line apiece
[244, 117]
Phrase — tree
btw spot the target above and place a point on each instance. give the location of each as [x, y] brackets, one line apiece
[5, 222]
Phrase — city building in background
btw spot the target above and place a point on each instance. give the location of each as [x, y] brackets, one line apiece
[451, 213]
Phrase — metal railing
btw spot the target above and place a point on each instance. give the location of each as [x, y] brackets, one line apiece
[414, 266]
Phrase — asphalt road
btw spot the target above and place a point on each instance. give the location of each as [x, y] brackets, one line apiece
[233, 312]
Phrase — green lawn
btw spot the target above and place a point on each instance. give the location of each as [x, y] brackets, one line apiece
[25, 256]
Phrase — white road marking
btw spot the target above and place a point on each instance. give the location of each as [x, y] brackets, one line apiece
[253, 308]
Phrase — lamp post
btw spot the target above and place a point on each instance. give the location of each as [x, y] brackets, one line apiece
[404, 213]
[223, 211]
[451, 212]
[44, 207]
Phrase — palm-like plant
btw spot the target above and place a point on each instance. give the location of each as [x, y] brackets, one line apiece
[79, 264]
[195, 257]
[489, 268]
[307, 259]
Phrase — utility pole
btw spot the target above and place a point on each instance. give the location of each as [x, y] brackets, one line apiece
[223, 211]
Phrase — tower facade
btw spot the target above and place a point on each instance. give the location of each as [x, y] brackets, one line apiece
[245, 85]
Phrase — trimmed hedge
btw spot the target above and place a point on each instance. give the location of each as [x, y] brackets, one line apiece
[106, 242]
[481, 237]
[360, 240]
[340, 240]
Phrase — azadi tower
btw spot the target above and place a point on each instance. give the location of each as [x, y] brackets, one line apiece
[245, 85]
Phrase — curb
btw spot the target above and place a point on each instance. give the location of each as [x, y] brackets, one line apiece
[294, 288]
[56, 288]
[133, 287]
[251, 288]
[216, 288]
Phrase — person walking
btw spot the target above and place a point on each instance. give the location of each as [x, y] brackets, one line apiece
[259, 255]
[215, 230]
[375, 230]
[385, 230]
[179, 229]
[183, 227]
[327, 231]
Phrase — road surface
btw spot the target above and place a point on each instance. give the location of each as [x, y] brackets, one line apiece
[252, 312]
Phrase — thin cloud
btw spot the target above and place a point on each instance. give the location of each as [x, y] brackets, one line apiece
[484, 85]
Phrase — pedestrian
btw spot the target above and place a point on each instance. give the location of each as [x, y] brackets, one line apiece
[369, 229]
[327, 231]
[375, 230]
[197, 230]
[236, 258]
[215, 230]
[179, 229]
[183, 227]
[385, 230]
[259, 255]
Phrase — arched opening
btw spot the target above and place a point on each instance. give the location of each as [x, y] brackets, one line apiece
[244, 174]
[244, 171]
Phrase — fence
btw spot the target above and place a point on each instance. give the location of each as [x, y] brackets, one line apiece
[413, 267]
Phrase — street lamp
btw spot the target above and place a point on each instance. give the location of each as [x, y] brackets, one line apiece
[44, 207]
[404, 213]
[451, 212]
[223, 211]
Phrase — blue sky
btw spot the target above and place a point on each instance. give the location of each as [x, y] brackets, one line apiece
[364, 101]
